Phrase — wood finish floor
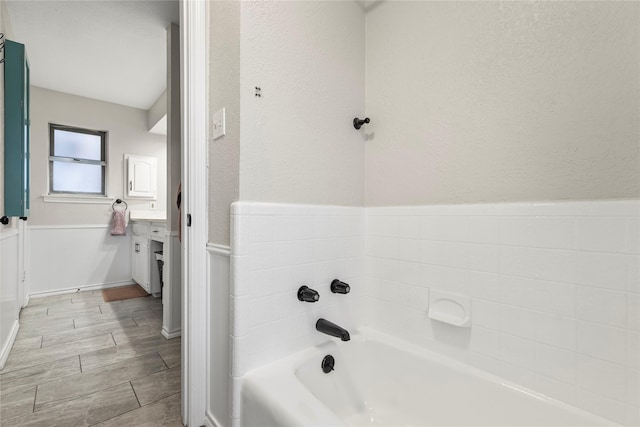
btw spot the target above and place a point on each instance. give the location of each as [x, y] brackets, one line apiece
[78, 361]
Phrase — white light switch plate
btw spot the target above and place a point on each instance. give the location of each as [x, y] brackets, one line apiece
[218, 124]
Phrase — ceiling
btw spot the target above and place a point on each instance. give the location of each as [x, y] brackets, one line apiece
[113, 51]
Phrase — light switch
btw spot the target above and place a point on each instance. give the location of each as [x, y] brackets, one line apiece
[218, 124]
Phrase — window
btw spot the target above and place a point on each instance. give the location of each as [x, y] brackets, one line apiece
[77, 160]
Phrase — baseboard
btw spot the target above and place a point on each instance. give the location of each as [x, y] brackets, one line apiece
[170, 335]
[211, 421]
[80, 288]
[4, 354]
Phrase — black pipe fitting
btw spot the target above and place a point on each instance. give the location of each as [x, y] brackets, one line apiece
[338, 287]
[306, 294]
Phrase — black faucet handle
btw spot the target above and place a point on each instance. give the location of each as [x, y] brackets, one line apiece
[338, 287]
[306, 294]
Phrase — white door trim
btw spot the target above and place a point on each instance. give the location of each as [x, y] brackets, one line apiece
[193, 51]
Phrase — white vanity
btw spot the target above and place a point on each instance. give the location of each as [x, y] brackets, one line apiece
[148, 238]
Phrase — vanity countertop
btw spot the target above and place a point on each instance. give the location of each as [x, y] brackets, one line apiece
[154, 216]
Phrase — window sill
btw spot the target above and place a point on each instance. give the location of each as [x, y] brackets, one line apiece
[68, 198]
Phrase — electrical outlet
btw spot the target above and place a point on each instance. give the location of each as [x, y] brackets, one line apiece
[152, 205]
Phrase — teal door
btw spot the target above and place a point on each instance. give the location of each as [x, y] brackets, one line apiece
[17, 130]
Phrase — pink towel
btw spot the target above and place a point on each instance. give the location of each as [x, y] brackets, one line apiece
[118, 224]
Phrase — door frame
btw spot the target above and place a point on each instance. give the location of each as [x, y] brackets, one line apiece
[194, 112]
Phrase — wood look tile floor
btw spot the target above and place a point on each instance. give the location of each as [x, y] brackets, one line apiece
[78, 361]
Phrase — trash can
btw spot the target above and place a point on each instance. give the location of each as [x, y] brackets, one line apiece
[160, 260]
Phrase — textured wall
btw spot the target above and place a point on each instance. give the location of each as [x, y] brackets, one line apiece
[127, 129]
[174, 129]
[224, 153]
[502, 101]
[297, 141]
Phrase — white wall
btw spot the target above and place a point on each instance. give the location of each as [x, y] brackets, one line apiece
[502, 101]
[219, 363]
[224, 153]
[70, 257]
[298, 143]
[554, 288]
[127, 133]
[9, 289]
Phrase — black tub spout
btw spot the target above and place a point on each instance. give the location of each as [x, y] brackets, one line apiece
[329, 328]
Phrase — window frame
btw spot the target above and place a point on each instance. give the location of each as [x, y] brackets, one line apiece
[103, 162]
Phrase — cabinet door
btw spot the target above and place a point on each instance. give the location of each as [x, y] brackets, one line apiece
[16, 130]
[141, 176]
[140, 261]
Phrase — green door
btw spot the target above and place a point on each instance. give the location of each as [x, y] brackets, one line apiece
[17, 130]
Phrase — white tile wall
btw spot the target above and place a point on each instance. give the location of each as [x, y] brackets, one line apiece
[554, 287]
[275, 249]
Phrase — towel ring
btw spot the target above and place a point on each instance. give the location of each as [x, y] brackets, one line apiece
[118, 201]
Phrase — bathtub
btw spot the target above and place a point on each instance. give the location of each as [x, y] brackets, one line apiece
[382, 381]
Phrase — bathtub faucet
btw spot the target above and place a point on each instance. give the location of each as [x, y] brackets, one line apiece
[329, 328]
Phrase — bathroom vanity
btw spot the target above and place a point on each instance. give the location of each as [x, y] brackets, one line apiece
[148, 238]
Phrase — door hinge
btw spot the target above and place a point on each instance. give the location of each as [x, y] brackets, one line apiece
[188, 220]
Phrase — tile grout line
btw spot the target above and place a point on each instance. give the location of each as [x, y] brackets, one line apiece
[135, 409]
[80, 361]
[35, 396]
[163, 361]
[162, 398]
[135, 394]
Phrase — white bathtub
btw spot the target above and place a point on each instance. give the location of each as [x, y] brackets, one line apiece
[382, 381]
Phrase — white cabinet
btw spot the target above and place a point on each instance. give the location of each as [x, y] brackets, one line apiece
[141, 179]
[140, 261]
[148, 238]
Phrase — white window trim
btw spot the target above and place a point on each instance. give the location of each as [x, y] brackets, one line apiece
[69, 198]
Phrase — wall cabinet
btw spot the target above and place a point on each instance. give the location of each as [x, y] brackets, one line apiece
[141, 177]
[16, 130]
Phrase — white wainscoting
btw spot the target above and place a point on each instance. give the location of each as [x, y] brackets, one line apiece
[9, 291]
[172, 288]
[218, 387]
[71, 257]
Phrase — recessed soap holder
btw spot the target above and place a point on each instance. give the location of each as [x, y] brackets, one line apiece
[450, 308]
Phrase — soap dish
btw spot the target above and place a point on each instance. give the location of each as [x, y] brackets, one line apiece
[450, 308]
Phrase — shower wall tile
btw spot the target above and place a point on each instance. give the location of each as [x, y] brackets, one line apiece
[275, 249]
[554, 288]
[557, 282]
